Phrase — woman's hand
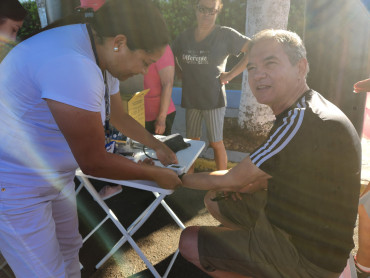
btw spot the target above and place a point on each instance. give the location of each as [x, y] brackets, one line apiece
[164, 177]
[146, 161]
[169, 180]
[165, 155]
[160, 125]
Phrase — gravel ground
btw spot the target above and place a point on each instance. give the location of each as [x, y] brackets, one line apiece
[157, 238]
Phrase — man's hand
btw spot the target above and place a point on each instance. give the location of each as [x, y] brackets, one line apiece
[254, 186]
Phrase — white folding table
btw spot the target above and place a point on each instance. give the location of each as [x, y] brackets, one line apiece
[185, 157]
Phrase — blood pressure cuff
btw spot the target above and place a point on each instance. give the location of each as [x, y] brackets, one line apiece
[175, 142]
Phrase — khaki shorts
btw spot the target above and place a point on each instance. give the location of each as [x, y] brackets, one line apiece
[213, 118]
[259, 250]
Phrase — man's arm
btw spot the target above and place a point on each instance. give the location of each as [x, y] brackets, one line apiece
[166, 75]
[225, 77]
[245, 177]
[132, 129]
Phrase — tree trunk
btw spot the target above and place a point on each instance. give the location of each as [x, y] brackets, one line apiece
[261, 14]
[42, 12]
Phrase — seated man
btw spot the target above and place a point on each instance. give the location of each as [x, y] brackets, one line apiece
[295, 197]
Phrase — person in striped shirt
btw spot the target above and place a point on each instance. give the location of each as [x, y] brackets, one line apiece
[289, 208]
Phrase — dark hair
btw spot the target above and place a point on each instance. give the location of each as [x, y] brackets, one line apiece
[11, 9]
[139, 20]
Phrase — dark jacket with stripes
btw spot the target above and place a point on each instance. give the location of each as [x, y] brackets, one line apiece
[313, 154]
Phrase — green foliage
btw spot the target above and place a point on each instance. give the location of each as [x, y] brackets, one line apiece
[31, 23]
[233, 14]
[296, 17]
[180, 14]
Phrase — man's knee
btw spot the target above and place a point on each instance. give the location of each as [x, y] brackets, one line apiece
[217, 145]
[188, 244]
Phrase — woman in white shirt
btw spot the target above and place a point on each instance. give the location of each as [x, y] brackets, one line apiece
[55, 89]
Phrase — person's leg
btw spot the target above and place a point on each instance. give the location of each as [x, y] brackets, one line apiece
[188, 245]
[66, 226]
[214, 210]
[189, 250]
[27, 232]
[363, 253]
[220, 154]
[214, 119]
[193, 118]
[260, 249]
[212, 244]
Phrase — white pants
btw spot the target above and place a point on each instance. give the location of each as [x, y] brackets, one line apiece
[39, 231]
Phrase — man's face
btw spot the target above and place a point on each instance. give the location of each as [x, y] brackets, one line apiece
[128, 63]
[272, 78]
[9, 28]
[207, 11]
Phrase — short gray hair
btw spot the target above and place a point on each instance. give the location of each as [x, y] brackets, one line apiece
[290, 41]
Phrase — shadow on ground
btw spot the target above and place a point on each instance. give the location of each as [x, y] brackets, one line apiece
[157, 238]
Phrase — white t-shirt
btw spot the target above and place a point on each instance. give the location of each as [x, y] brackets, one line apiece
[57, 64]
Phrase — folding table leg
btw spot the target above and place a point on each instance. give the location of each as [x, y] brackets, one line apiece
[118, 224]
[169, 267]
[95, 229]
[179, 223]
[3, 265]
[79, 188]
[133, 228]
[171, 213]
